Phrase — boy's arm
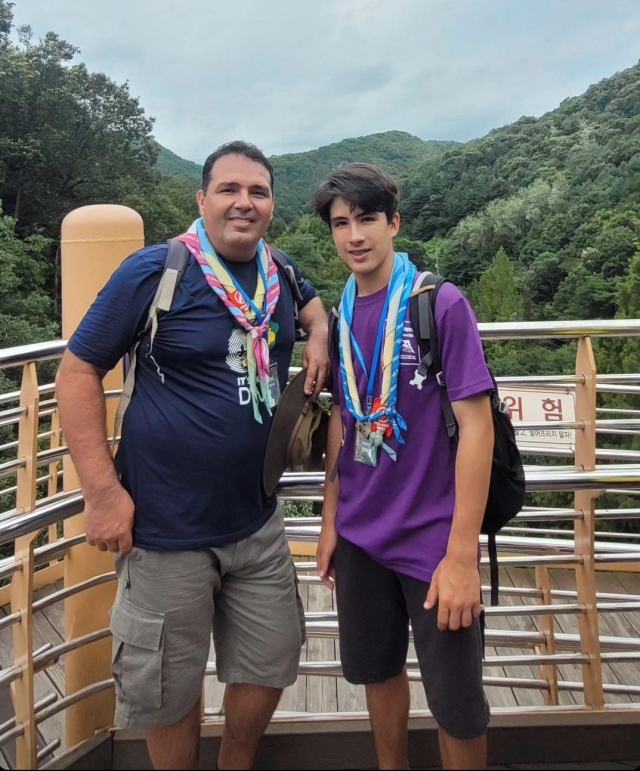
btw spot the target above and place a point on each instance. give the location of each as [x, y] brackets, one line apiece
[328, 536]
[455, 585]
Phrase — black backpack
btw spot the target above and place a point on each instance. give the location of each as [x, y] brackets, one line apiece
[507, 484]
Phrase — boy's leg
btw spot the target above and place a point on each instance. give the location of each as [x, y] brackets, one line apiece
[388, 705]
[258, 630]
[374, 638]
[451, 669]
[462, 753]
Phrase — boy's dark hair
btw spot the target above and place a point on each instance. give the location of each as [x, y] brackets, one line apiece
[361, 185]
[238, 147]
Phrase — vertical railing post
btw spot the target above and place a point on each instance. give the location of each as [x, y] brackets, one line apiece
[584, 528]
[22, 582]
[95, 240]
[52, 487]
[548, 672]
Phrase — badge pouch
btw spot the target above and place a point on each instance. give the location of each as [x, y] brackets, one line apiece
[273, 385]
[366, 450]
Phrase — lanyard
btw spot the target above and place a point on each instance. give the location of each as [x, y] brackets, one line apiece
[371, 376]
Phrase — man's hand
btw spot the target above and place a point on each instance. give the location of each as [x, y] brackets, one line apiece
[456, 588]
[108, 520]
[316, 360]
[326, 547]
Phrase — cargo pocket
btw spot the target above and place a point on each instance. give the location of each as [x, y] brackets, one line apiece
[138, 643]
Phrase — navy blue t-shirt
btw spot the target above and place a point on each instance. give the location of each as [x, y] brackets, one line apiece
[191, 453]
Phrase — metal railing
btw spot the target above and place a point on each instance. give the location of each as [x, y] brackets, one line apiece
[38, 452]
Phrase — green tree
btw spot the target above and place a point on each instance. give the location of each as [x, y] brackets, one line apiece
[68, 136]
[25, 303]
[496, 296]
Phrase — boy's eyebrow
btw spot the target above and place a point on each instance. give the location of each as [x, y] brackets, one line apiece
[358, 216]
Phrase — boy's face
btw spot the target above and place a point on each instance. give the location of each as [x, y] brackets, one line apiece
[364, 239]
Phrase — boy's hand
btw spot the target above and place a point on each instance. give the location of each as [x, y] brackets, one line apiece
[324, 553]
[456, 589]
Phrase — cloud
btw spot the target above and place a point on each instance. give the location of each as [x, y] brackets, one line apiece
[291, 76]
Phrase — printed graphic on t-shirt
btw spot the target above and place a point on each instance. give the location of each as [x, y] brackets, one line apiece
[237, 361]
[409, 350]
[237, 357]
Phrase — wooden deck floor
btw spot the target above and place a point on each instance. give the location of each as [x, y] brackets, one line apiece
[331, 694]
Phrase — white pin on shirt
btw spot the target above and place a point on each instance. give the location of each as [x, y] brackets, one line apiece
[418, 380]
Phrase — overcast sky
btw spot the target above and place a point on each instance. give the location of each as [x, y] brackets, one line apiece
[292, 75]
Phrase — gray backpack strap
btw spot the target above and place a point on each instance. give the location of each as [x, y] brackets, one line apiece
[174, 268]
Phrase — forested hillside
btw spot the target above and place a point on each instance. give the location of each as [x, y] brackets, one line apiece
[173, 165]
[560, 194]
[298, 174]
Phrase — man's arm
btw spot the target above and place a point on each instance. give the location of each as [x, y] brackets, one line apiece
[108, 509]
[315, 357]
[328, 537]
[455, 585]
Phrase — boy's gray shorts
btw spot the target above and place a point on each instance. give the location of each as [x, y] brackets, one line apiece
[163, 615]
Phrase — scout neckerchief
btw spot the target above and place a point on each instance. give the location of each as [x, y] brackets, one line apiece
[380, 417]
[252, 315]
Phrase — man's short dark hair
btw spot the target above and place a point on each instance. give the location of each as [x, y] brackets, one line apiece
[362, 186]
[239, 147]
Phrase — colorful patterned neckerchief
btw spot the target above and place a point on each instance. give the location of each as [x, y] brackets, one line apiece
[381, 417]
[252, 315]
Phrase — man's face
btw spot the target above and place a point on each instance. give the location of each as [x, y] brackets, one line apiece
[364, 240]
[237, 207]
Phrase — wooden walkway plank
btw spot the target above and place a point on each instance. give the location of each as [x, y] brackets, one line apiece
[322, 692]
[523, 696]
[565, 579]
[525, 578]
[498, 696]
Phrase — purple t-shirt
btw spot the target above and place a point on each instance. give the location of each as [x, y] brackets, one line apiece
[401, 512]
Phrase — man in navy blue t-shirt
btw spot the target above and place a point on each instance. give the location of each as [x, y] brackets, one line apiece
[198, 541]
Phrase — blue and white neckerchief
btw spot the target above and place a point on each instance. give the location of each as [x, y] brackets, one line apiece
[399, 289]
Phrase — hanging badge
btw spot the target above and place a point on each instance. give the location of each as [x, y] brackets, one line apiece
[274, 386]
[366, 449]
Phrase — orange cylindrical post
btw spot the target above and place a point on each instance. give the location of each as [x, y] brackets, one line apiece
[95, 240]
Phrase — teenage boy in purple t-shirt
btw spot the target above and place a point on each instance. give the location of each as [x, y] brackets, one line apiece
[401, 521]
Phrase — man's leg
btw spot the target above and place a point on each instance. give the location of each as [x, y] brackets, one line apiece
[462, 753]
[451, 669]
[161, 624]
[176, 746]
[388, 705]
[248, 710]
[258, 631]
[374, 638]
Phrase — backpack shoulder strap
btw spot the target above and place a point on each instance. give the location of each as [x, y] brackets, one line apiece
[174, 267]
[422, 307]
[286, 269]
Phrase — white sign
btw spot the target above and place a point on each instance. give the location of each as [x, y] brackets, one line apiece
[548, 406]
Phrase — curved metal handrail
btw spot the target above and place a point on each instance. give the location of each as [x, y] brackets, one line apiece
[512, 330]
